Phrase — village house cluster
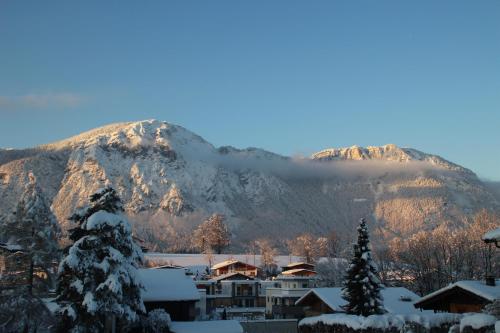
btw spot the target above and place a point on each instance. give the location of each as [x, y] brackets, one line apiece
[236, 290]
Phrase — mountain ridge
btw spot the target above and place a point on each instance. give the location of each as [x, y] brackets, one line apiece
[171, 178]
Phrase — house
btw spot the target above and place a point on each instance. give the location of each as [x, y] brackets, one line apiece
[320, 301]
[280, 300]
[13, 263]
[461, 297]
[297, 265]
[171, 290]
[230, 266]
[235, 291]
[492, 236]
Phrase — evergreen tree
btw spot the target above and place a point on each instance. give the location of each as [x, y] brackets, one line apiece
[98, 277]
[362, 285]
[33, 229]
[22, 312]
[31, 234]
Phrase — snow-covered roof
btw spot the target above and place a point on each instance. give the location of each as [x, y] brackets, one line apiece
[478, 288]
[230, 275]
[228, 263]
[297, 271]
[11, 247]
[224, 263]
[212, 326]
[167, 285]
[493, 235]
[294, 264]
[396, 299]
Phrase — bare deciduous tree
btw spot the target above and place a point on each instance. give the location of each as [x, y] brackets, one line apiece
[212, 235]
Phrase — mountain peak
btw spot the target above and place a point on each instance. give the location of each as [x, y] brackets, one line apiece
[388, 152]
[145, 133]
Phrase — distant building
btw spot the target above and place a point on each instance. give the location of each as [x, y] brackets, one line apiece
[14, 264]
[236, 292]
[235, 266]
[461, 297]
[171, 290]
[320, 301]
[297, 265]
[492, 236]
[280, 300]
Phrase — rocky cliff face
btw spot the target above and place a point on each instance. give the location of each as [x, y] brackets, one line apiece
[170, 178]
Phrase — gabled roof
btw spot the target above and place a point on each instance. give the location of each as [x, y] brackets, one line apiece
[231, 276]
[295, 264]
[167, 285]
[479, 288]
[11, 247]
[492, 235]
[297, 271]
[396, 300]
[230, 262]
[167, 267]
[224, 263]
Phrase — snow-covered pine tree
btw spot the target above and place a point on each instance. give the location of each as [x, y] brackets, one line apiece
[98, 278]
[31, 235]
[362, 285]
[33, 228]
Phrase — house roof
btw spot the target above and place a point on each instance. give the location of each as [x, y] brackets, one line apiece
[11, 247]
[167, 267]
[230, 262]
[478, 288]
[167, 285]
[493, 235]
[297, 271]
[232, 275]
[212, 326]
[295, 264]
[396, 299]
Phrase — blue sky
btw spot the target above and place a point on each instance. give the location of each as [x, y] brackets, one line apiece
[292, 77]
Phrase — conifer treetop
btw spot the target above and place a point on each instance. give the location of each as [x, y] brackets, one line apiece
[362, 285]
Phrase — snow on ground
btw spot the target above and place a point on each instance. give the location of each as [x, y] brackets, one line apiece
[167, 285]
[477, 321]
[427, 320]
[196, 259]
[214, 326]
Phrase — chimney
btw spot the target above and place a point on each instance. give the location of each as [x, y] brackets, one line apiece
[490, 280]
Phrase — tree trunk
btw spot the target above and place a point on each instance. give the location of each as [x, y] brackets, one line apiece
[30, 278]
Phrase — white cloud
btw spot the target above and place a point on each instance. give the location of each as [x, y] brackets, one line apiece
[41, 101]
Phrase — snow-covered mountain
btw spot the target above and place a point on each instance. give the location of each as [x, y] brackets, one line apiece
[170, 179]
